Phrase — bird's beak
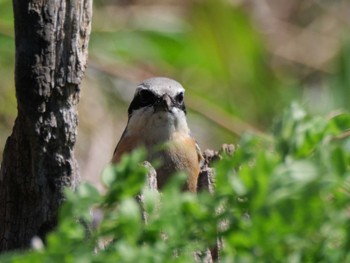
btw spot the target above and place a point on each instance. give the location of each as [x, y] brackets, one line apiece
[164, 103]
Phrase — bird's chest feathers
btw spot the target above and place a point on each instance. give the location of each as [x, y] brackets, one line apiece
[156, 129]
[179, 152]
[166, 136]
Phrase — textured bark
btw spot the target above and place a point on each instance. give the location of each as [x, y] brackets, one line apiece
[51, 51]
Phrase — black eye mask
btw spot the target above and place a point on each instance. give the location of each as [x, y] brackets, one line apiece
[146, 98]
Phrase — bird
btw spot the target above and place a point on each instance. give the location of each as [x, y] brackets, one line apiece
[157, 121]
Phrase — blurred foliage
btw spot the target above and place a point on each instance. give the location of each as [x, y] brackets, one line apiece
[276, 200]
[215, 53]
[7, 55]
[340, 81]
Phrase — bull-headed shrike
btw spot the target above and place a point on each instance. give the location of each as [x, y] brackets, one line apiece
[157, 121]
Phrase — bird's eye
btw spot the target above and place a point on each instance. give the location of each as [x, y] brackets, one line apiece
[180, 97]
[146, 97]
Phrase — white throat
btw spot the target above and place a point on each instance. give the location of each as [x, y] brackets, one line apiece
[154, 128]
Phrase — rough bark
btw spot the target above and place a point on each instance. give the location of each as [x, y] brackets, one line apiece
[51, 52]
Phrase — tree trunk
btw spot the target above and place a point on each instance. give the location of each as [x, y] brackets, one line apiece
[51, 39]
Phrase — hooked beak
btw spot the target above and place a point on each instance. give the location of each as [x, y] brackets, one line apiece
[164, 103]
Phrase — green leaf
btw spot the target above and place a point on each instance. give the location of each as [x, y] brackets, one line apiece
[109, 175]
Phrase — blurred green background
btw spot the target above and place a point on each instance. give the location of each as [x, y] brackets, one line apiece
[241, 63]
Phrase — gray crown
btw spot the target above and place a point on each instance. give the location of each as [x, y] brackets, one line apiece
[161, 86]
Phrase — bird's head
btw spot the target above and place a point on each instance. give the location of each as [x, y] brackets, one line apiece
[158, 103]
[158, 94]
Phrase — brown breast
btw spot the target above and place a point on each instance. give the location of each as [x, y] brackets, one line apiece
[177, 155]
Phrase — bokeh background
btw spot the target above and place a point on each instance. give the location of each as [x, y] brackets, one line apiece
[241, 62]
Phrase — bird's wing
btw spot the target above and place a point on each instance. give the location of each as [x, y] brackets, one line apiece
[125, 145]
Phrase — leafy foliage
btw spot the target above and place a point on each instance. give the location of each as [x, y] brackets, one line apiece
[281, 199]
